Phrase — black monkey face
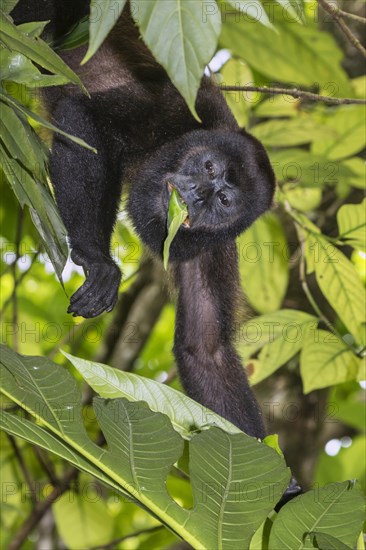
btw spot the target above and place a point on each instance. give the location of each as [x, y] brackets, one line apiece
[224, 178]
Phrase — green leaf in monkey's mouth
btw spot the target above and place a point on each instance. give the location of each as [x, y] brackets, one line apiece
[177, 215]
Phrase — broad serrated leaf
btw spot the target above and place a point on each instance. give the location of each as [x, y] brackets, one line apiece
[183, 38]
[103, 16]
[351, 220]
[177, 213]
[35, 49]
[235, 498]
[325, 361]
[186, 415]
[254, 9]
[336, 509]
[339, 282]
[236, 480]
[264, 266]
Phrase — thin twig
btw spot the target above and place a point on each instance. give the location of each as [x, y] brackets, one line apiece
[114, 542]
[14, 297]
[18, 281]
[352, 16]
[337, 15]
[296, 93]
[23, 467]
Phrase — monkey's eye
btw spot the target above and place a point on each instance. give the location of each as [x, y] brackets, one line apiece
[225, 201]
[210, 168]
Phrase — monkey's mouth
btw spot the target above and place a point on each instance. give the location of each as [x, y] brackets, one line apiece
[186, 223]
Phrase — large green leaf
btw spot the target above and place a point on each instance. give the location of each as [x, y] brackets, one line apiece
[278, 336]
[325, 361]
[336, 509]
[236, 480]
[351, 220]
[73, 509]
[35, 49]
[296, 53]
[185, 414]
[183, 38]
[103, 16]
[348, 132]
[339, 282]
[264, 263]
[287, 133]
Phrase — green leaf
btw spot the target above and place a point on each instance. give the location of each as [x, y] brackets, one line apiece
[183, 38]
[77, 36]
[237, 73]
[18, 68]
[33, 29]
[34, 434]
[278, 55]
[254, 9]
[35, 49]
[186, 415]
[357, 167]
[348, 132]
[103, 16]
[264, 266]
[351, 220]
[336, 509]
[303, 199]
[277, 106]
[272, 441]
[327, 542]
[325, 361]
[278, 336]
[293, 9]
[42, 121]
[305, 169]
[177, 213]
[73, 509]
[236, 497]
[339, 282]
[287, 133]
[141, 449]
[8, 5]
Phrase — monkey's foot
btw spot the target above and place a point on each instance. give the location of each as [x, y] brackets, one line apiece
[99, 292]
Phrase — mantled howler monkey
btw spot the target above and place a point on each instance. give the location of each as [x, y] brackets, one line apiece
[145, 135]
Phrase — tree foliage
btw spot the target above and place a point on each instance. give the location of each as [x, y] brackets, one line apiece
[154, 465]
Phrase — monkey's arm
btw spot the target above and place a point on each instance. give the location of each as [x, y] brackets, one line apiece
[209, 367]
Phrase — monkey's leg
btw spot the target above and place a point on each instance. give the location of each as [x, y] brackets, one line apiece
[87, 188]
[209, 367]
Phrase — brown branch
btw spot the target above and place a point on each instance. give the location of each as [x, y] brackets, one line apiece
[18, 281]
[337, 15]
[41, 508]
[296, 93]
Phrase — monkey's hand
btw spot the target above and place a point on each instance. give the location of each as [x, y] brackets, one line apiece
[100, 291]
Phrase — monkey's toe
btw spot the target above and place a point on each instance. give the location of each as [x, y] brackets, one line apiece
[99, 293]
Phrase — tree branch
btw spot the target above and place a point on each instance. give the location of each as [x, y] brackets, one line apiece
[296, 93]
[337, 15]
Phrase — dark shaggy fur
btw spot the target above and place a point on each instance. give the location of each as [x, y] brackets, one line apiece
[146, 135]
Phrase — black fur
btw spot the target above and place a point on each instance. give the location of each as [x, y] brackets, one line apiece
[145, 135]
